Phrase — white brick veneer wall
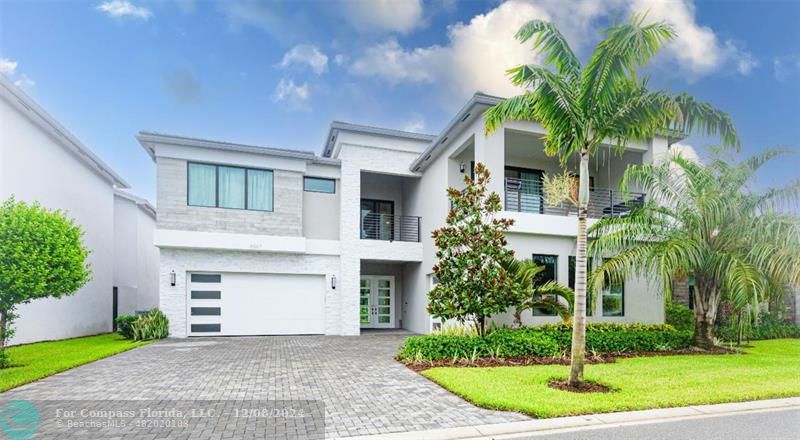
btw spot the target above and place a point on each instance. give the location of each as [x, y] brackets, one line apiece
[173, 299]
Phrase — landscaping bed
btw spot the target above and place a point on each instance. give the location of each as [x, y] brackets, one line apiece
[35, 361]
[547, 344]
[770, 369]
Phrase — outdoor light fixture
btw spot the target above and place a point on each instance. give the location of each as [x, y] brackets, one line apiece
[462, 166]
[333, 282]
[172, 278]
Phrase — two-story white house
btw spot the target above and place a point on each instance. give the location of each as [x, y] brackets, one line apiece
[258, 240]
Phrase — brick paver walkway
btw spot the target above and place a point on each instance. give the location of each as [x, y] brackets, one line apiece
[352, 380]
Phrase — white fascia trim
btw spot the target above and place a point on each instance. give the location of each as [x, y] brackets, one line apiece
[337, 126]
[27, 106]
[171, 238]
[463, 117]
[143, 204]
[149, 140]
[543, 224]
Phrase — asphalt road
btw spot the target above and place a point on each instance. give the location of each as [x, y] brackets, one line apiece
[768, 425]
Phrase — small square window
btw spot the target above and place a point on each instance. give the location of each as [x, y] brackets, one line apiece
[318, 184]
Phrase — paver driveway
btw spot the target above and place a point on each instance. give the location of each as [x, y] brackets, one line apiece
[363, 390]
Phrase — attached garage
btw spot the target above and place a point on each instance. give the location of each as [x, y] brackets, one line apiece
[237, 304]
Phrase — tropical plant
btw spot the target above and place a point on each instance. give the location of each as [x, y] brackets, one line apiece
[531, 293]
[584, 108]
[41, 255]
[151, 325]
[470, 248]
[703, 220]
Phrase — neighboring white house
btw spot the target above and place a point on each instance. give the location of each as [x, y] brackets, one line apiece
[259, 240]
[41, 161]
[135, 256]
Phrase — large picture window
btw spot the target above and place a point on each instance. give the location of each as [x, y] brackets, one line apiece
[220, 186]
[572, 260]
[550, 263]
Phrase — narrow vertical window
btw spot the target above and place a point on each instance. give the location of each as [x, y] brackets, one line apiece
[231, 187]
[614, 299]
[550, 263]
[259, 190]
[202, 185]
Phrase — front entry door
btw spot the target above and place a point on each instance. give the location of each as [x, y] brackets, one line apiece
[377, 301]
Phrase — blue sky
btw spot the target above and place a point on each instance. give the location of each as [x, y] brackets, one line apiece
[276, 73]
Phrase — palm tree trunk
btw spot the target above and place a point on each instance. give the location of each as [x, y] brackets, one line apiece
[705, 313]
[579, 319]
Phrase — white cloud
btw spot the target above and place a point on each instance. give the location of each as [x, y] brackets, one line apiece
[415, 125]
[7, 66]
[24, 82]
[479, 51]
[385, 15]
[339, 59]
[124, 8]
[686, 151]
[296, 96]
[306, 54]
[786, 67]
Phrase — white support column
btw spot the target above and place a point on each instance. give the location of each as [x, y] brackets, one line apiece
[659, 148]
[350, 237]
[491, 152]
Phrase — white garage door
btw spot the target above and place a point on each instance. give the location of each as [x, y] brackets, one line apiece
[255, 304]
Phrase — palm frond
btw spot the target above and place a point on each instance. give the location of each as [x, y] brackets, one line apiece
[702, 118]
[550, 42]
[517, 108]
[625, 48]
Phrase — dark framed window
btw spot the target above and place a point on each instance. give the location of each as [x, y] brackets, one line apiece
[690, 282]
[589, 265]
[614, 299]
[525, 193]
[319, 184]
[206, 311]
[550, 273]
[206, 328]
[206, 294]
[377, 219]
[206, 278]
[222, 186]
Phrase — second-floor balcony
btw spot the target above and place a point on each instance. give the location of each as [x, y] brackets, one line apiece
[527, 195]
[390, 227]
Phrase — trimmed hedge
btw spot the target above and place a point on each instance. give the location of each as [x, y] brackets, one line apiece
[546, 340]
[679, 316]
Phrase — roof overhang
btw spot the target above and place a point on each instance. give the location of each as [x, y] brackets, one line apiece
[149, 140]
[143, 204]
[468, 113]
[27, 106]
[338, 126]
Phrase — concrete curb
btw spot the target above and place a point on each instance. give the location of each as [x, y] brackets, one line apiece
[589, 420]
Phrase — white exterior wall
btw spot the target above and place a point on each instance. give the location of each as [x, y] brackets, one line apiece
[135, 257]
[173, 298]
[34, 166]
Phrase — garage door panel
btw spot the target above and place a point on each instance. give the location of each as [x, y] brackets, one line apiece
[257, 304]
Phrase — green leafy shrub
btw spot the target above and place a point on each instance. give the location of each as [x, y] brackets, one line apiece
[151, 325]
[767, 327]
[124, 323]
[547, 340]
[679, 316]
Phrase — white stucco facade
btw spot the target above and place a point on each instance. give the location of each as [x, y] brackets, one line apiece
[398, 181]
[40, 161]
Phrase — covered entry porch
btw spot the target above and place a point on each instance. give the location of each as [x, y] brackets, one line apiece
[381, 295]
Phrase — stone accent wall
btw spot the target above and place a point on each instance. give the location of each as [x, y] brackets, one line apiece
[174, 212]
[173, 298]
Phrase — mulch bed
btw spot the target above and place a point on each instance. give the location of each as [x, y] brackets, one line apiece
[521, 361]
[584, 387]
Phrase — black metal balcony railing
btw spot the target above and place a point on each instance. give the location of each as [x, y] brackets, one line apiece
[528, 196]
[390, 227]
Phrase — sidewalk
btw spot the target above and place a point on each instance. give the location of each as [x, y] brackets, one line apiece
[591, 420]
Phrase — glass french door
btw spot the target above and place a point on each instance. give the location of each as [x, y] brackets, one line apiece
[376, 302]
[377, 219]
[529, 197]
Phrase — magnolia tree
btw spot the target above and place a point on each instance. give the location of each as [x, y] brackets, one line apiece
[41, 255]
[471, 248]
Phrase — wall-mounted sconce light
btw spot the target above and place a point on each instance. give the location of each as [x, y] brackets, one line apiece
[172, 278]
[462, 167]
[333, 282]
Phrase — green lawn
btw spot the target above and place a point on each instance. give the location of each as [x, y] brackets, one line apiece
[770, 369]
[34, 361]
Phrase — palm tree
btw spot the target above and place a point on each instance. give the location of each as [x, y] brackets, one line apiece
[704, 221]
[601, 103]
[534, 294]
